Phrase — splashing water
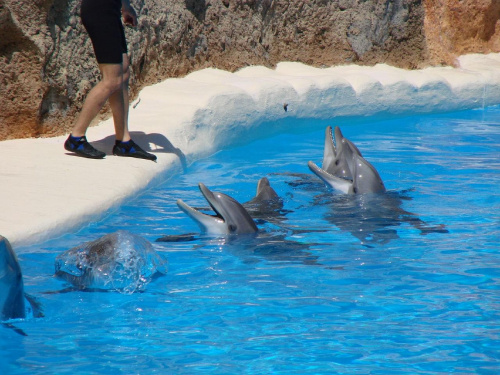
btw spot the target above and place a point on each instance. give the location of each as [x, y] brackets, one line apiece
[118, 261]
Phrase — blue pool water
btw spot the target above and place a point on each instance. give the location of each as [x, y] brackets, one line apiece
[331, 284]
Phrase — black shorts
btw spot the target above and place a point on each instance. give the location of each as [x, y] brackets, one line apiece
[102, 20]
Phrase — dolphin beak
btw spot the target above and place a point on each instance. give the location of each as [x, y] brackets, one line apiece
[207, 223]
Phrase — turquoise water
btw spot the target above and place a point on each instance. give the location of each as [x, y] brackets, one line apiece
[331, 284]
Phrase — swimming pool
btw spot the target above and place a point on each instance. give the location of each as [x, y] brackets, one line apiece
[309, 294]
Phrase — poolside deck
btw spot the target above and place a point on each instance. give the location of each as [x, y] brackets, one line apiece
[45, 191]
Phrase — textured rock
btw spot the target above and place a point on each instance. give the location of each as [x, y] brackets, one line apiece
[455, 28]
[47, 64]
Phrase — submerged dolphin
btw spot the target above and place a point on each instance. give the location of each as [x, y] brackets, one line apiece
[345, 169]
[373, 218]
[14, 303]
[119, 261]
[230, 216]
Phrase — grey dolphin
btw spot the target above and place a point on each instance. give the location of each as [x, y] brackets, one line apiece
[230, 216]
[14, 303]
[266, 202]
[366, 178]
[337, 155]
[120, 261]
[373, 218]
[264, 191]
[345, 169]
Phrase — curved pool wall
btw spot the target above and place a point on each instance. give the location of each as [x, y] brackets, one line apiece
[44, 192]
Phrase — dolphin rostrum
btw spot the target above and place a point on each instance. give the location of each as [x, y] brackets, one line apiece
[230, 216]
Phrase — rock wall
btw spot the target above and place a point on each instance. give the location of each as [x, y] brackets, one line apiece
[47, 64]
[454, 28]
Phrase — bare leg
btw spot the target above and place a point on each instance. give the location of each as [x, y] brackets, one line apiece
[112, 81]
[113, 86]
[119, 103]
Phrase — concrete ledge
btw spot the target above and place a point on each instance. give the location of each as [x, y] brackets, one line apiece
[45, 192]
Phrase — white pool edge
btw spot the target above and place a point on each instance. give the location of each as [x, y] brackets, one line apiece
[45, 192]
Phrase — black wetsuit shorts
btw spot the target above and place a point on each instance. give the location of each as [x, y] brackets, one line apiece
[102, 20]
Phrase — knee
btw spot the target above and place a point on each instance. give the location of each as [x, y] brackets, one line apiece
[126, 74]
[113, 84]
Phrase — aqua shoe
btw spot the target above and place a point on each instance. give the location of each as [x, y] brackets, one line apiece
[81, 147]
[131, 149]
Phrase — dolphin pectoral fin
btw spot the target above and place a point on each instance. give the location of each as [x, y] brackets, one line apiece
[337, 183]
[33, 307]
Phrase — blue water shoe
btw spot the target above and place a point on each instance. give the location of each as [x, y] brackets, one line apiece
[131, 149]
[81, 147]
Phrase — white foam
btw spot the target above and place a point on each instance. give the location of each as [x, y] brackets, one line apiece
[44, 192]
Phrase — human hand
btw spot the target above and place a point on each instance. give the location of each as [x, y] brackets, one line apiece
[129, 15]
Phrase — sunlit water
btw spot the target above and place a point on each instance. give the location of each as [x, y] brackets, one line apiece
[329, 285]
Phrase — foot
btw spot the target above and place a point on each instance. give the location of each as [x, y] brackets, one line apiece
[81, 147]
[131, 149]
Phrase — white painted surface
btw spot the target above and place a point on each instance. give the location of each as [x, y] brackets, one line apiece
[44, 191]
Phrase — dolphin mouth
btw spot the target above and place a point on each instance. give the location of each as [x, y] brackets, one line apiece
[211, 199]
[208, 223]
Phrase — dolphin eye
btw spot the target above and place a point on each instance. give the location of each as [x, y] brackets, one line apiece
[337, 162]
[233, 228]
[355, 190]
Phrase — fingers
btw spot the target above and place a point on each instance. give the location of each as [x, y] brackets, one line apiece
[129, 16]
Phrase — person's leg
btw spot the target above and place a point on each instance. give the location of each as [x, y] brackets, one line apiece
[119, 103]
[111, 83]
[112, 78]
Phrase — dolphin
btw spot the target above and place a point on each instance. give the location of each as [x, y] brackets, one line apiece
[337, 156]
[373, 218]
[230, 216]
[120, 261]
[266, 203]
[14, 303]
[345, 169]
[366, 177]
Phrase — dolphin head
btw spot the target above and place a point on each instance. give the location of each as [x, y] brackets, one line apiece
[337, 157]
[12, 302]
[230, 216]
[344, 168]
[366, 177]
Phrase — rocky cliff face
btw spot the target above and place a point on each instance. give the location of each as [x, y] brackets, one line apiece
[47, 64]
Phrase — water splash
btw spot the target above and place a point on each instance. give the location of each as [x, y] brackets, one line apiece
[118, 261]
